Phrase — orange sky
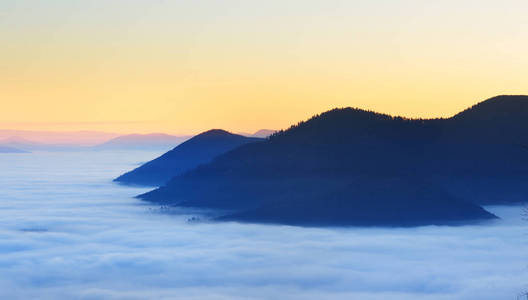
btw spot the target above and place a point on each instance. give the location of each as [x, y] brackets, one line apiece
[187, 66]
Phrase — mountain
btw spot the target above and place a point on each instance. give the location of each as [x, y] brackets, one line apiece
[5, 149]
[30, 145]
[356, 167]
[482, 156]
[154, 141]
[77, 138]
[263, 133]
[188, 155]
[501, 119]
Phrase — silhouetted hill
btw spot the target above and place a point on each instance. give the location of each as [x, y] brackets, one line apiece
[153, 141]
[350, 166]
[481, 155]
[197, 150]
[500, 108]
[501, 119]
[5, 149]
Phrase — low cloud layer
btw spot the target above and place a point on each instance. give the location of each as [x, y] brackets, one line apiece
[67, 232]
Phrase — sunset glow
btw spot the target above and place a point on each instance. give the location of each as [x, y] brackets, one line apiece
[186, 66]
[263, 149]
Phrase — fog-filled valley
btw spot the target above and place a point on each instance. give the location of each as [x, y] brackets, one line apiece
[67, 231]
[263, 150]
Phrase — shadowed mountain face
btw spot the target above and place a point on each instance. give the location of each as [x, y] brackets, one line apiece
[354, 167]
[482, 155]
[198, 150]
[354, 202]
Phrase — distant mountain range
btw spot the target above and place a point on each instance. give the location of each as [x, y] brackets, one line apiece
[156, 141]
[78, 138]
[263, 133]
[29, 145]
[355, 167]
[190, 154]
[88, 140]
[152, 141]
[5, 149]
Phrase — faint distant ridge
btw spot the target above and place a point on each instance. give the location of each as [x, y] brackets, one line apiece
[156, 141]
[5, 149]
[355, 167]
[200, 149]
[153, 141]
[18, 140]
[263, 133]
[72, 138]
[24, 144]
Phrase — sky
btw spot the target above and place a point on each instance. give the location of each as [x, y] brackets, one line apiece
[183, 67]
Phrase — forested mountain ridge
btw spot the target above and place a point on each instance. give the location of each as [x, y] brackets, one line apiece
[349, 166]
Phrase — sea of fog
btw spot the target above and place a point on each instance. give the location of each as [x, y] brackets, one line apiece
[68, 232]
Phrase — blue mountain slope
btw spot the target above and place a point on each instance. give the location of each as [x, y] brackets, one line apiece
[188, 155]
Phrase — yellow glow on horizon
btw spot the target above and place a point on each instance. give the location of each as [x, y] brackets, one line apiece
[245, 67]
